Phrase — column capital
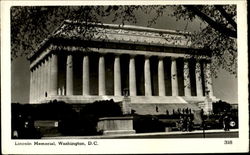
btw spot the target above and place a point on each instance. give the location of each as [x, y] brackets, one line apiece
[85, 55]
[207, 60]
[147, 56]
[43, 62]
[53, 52]
[160, 57]
[202, 60]
[86, 52]
[187, 58]
[36, 66]
[199, 60]
[173, 58]
[117, 54]
[46, 58]
[69, 54]
[102, 54]
[132, 55]
[32, 69]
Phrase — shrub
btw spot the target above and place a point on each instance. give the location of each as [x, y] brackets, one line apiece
[220, 107]
[70, 121]
[22, 121]
[147, 123]
[90, 114]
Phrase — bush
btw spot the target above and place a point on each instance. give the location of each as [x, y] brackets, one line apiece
[220, 107]
[147, 123]
[103, 109]
[85, 122]
[70, 121]
[90, 114]
[53, 111]
[22, 122]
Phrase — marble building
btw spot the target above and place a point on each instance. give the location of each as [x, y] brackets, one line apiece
[80, 63]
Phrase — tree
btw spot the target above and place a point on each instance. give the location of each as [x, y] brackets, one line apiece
[31, 25]
[219, 35]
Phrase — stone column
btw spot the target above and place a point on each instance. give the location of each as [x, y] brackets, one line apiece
[132, 76]
[208, 79]
[63, 91]
[101, 76]
[31, 85]
[35, 84]
[85, 75]
[46, 77]
[39, 81]
[42, 80]
[33, 88]
[161, 81]
[54, 74]
[147, 76]
[49, 76]
[187, 83]
[174, 78]
[117, 76]
[198, 76]
[59, 92]
[69, 75]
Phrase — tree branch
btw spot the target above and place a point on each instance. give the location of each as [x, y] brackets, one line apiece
[220, 28]
[227, 16]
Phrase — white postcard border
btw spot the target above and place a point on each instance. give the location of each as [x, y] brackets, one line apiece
[209, 145]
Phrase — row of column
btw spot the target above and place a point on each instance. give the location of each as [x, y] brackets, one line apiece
[44, 77]
[132, 77]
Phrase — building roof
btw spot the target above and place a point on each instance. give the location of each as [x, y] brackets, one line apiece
[117, 33]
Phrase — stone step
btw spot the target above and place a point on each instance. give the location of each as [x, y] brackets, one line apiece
[160, 109]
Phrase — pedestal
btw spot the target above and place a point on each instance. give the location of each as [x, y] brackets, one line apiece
[115, 125]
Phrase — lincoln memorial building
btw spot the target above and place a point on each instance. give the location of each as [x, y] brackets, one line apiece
[81, 63]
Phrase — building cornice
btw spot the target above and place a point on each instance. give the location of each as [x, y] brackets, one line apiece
[129, 27]
[75, 49]
[116, 33]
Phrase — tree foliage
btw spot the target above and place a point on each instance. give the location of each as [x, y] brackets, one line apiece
[31, 25]
[219, 35]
